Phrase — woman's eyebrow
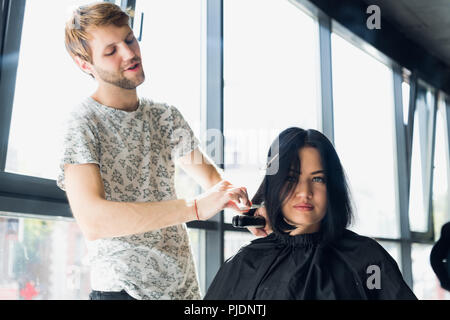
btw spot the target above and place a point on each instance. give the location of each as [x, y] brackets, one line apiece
[314, 172]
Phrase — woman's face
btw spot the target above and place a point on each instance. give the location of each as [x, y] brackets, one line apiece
[305, 207]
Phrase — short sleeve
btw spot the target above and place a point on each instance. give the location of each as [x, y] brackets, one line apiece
[182, 140]
[80, 145]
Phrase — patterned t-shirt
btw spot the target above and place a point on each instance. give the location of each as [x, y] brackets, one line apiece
[135, 152]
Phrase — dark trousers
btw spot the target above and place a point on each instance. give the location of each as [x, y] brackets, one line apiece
[106, 295]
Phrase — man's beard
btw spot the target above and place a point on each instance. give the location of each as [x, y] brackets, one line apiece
[118, 79]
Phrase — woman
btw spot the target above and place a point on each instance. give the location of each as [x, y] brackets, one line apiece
[310, 254]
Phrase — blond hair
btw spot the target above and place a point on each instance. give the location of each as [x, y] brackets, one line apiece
[92, 15]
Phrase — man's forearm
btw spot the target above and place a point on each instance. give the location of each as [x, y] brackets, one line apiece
[205, 172]
[115, 219]
[215, 176]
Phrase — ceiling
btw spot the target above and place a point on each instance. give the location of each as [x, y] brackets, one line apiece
[426, 22]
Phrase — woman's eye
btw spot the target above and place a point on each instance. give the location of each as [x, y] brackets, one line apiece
[291, 179]
[111, 53]
[130, 41]
[319, 179]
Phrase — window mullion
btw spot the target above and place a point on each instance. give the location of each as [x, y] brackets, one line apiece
[13, 13]
[214, 120]
[430, 148]
[401, 162]
[326, 80]
[446, 112]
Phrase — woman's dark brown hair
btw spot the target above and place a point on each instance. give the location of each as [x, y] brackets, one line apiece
[277, 187]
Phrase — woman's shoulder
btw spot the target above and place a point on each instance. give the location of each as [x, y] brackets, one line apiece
[352, 236]
[362, 247]
[256, 248]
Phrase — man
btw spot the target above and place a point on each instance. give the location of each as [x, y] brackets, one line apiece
[118, 169]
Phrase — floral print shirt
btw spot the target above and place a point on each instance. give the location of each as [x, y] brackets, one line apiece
[135, 152]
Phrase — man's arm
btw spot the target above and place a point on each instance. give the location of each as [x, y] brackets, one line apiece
[205, 172]
[101, 218]
[199, 167]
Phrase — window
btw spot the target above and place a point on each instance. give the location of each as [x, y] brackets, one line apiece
[234, 240]
[441, 209]
[418, 209]
[197, 239]
[405, 101]
[46, 259]
[48, 84]
[269, 73]
[42, 259]
[393, 249]
[171, 49]
[426, 284]
[364, 135]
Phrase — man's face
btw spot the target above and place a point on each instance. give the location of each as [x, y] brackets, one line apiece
[116, 57]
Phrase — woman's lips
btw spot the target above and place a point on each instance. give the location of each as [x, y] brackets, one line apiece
[304, 207]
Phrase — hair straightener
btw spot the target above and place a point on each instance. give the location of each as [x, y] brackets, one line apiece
[249, 219]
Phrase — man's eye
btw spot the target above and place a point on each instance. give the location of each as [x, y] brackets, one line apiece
[111, 53]
[319, 179]
[130, 41]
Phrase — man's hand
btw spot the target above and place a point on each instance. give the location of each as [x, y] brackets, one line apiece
[262, 232]
[222, 196]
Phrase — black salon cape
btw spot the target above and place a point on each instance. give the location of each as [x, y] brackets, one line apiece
[283, 267]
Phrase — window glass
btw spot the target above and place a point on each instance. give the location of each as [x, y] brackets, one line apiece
[417, 215]
[172, 60]
[270, 82]
[197, 239]
[441, 209]
[364, 136]
[234, 240]
[393, 249]
[172, 55]
[426, 284]
[48, 84]
[42, 259]
[405, 96]
[418, 212]
[46, 259]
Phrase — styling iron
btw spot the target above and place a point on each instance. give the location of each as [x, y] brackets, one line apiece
[249, 219]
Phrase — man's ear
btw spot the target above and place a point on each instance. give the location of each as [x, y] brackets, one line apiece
[84, 65]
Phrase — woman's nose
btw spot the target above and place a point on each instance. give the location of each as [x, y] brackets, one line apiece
[303, 190]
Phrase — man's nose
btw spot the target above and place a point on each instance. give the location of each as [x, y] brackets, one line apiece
[127, 53]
